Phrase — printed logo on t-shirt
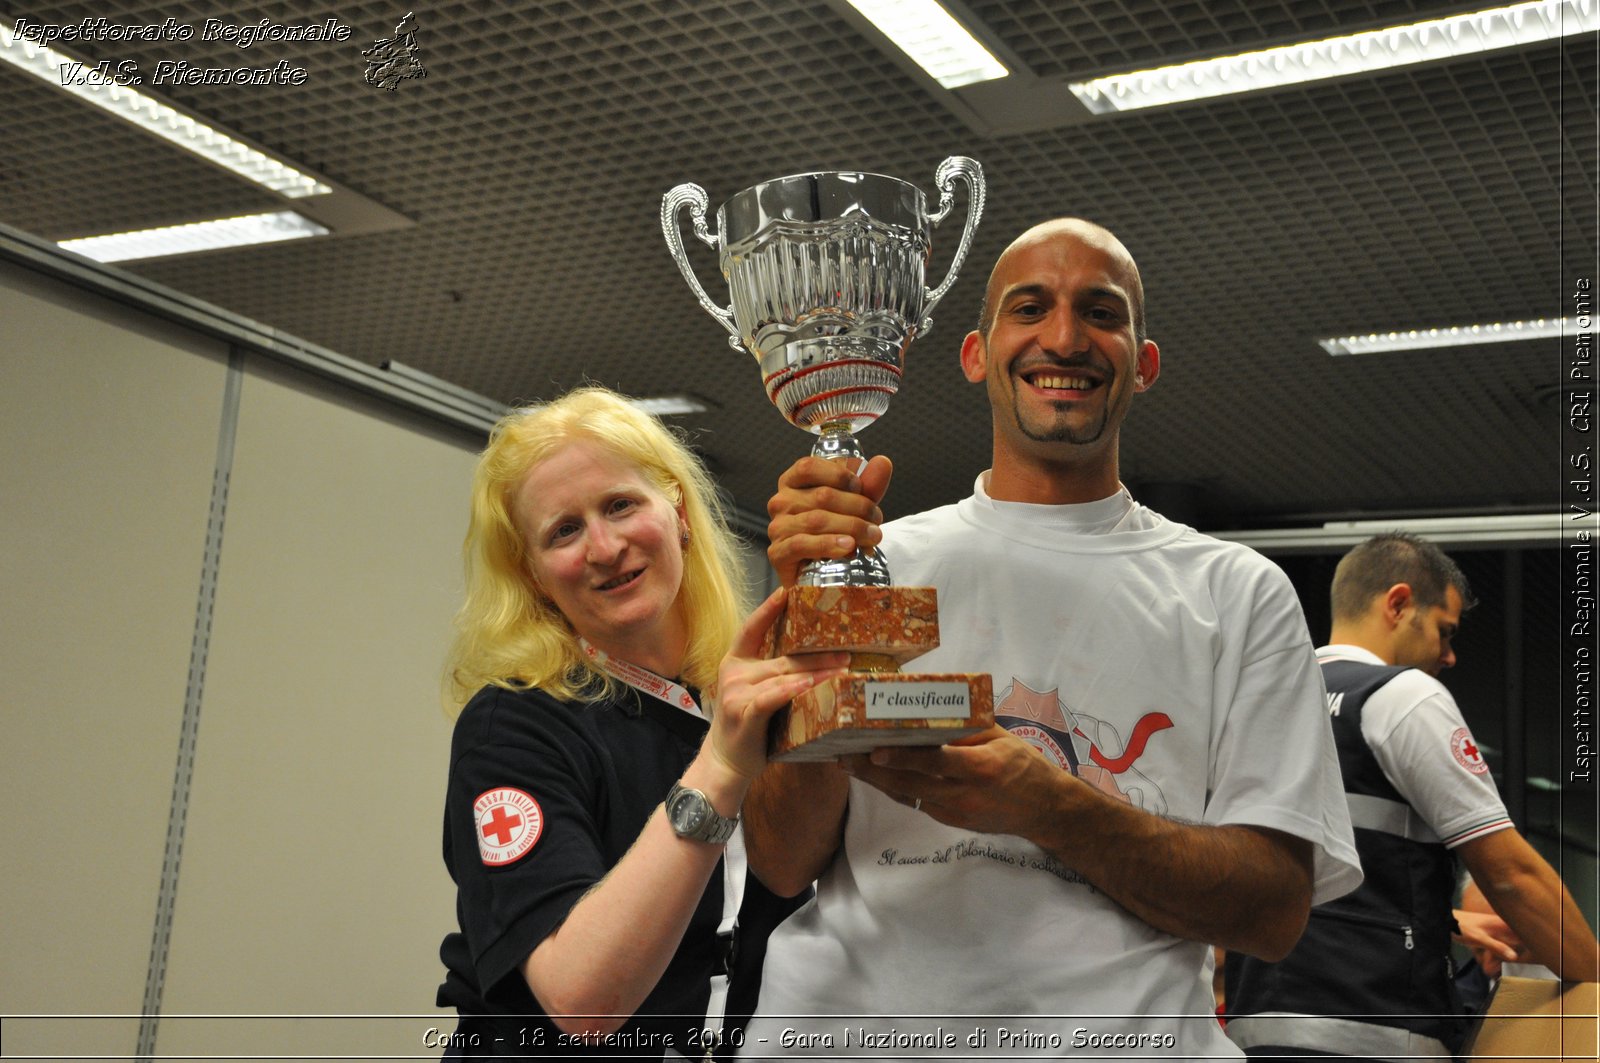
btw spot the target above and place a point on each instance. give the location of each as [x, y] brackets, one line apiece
[1047, 740]
[1091, 749]
[508, 822]
[1466, 751]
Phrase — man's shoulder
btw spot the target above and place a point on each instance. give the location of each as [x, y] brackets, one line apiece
[928, 521]
[1225, 551]
[1405, 677]
[1405, 689]
[1414, 685]
[1146, 533]
[1226, 562]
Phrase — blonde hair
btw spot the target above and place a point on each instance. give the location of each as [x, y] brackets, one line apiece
[507, 633]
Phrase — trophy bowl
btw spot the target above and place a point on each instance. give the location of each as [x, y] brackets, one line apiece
[826, 273]
[827, 277]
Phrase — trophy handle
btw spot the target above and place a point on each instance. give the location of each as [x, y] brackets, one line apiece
[972, 173]
[695, 198]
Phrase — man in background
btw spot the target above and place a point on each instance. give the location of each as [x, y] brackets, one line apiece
[1371, 977]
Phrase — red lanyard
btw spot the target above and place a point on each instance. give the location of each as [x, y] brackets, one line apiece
[643, 679]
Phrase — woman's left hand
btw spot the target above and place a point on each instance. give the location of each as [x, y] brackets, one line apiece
[751, 688]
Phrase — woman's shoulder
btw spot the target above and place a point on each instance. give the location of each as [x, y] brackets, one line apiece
[514, 715]
[520, 716]
[508, 737]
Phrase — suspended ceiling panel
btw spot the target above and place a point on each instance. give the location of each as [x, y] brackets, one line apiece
[533, 156]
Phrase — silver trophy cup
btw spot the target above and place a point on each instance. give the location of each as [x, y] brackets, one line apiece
[826, 271]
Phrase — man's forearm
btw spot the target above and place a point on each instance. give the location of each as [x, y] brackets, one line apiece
[1242, 888]
[1526, 892]
[1533, 902]
[794, 823]
[1549, 923]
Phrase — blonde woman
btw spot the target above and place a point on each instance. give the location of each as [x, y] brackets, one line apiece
[615, 713]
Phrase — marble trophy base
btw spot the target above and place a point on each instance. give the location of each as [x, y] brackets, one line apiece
[875, 704]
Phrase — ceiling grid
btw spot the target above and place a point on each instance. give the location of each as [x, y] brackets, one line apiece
[533, 157]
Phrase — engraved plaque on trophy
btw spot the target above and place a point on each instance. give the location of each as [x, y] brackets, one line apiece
[826, 273]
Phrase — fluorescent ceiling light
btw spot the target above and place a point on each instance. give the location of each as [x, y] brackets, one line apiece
[1459, 336]
[669, 405]
[656, 406]
[198, 236]
[100, 89]
[455, 395]
[1497, 529]
[1421, 42]
[936, 41]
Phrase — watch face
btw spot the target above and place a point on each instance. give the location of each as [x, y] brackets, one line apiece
[687, 813]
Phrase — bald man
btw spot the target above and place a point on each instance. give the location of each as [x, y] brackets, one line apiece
[1163, 775]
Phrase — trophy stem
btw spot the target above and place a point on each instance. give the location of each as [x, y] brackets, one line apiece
[864, 568]
[835, 442]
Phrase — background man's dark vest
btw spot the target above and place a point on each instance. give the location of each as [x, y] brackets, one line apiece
[1379, 956]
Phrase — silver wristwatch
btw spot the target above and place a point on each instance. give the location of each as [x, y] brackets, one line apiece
[691, 816]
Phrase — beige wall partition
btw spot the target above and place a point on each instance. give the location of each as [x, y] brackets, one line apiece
[289, 696]
[228, 563]
[312, 878]
[110, 423]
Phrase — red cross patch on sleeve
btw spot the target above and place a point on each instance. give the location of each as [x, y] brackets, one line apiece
[1466, 751]
[508, 823]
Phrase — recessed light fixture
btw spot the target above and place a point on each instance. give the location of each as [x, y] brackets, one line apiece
[654, 405]
[100, 87]
[1507, 529]
[669, 405]
[492, 409]
[197, 236]
[939, 44]
[1420, 42]
[1458, 336]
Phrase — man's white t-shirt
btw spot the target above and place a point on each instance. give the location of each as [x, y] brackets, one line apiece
[1166, 667]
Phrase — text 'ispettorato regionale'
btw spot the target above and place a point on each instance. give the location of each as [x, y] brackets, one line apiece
[178, 72]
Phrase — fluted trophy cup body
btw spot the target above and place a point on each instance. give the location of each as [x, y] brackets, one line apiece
[827, 277]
